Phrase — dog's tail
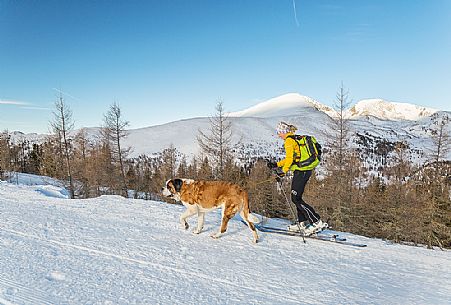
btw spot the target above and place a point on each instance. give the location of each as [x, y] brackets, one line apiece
[245, 212]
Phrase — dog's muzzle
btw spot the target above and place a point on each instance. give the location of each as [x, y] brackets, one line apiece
[166, 193]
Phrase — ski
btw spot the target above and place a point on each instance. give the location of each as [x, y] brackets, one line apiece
[331, 238]
[323, 234]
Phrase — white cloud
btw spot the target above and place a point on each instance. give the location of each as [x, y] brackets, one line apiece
[16, 103]
[36, 108]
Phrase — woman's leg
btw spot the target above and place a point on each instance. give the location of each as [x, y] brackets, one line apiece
[305, 211]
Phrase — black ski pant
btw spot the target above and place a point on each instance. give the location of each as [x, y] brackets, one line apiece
[305, 211]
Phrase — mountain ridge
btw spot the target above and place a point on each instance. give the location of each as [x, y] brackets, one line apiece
[286, 104]
[387, 110]
[254, 127]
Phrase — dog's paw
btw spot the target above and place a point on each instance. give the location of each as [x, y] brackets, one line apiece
[215, 236]
[196, 231]
[185, 225]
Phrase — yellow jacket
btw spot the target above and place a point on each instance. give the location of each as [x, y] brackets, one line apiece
[296, 152]
[291, 149]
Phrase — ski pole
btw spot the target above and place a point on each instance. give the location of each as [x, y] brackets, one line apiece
[292, 210]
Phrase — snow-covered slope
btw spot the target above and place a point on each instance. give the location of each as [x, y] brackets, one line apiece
[285, 105]
[19, 137]
[111, 250]
[389, 110]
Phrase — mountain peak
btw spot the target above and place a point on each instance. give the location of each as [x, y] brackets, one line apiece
[290, 104]
[386, 110]
[283, 105]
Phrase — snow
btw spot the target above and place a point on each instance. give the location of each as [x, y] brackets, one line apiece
[30, 180]
[47, 186]
[112, 250]
[389, 110]
[284, 105]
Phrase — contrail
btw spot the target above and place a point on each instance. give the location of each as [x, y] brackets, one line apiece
[67, 94]
[295, 14]
[36, 108]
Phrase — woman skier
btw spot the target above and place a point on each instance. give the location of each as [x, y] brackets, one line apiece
[302, 155]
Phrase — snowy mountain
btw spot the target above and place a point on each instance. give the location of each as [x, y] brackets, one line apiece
[372, 122]
[112, 250]
[284, 105]
[385, 110]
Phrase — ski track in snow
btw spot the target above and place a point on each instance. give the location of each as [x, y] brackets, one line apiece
[110, 250]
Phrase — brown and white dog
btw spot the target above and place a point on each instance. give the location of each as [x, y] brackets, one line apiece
[200, 197]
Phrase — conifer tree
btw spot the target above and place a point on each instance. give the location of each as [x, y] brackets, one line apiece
[192, 171]
[81, 155]
[169, 159]
[182, 170]
[205, 171]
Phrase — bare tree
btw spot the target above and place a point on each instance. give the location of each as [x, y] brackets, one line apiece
[339, 159]
[340, 124]
[61, 125]
[441, 140]
[114, 132]
[437, 209]
[218, 143]
[5, 155]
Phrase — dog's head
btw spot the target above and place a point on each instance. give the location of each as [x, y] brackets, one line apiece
[172, 188]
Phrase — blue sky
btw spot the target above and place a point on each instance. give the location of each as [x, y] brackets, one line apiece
[168, 60]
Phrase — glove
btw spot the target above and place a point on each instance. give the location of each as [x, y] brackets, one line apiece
[280, 174]
[271, 164]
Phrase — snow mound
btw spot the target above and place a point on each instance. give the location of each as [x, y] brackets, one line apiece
[52, 191]
[43, 185]
[30, 179]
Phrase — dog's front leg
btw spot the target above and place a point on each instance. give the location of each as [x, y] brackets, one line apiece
[189, 212]
[200, 222]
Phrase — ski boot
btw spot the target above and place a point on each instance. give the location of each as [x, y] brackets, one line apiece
[319, 226]
[294, 227]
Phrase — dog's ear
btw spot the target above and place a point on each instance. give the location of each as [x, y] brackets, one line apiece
[178, 184]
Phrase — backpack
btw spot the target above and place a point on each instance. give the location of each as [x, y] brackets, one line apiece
[309, 149]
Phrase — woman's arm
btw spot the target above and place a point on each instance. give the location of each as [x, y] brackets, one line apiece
[289, 151]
